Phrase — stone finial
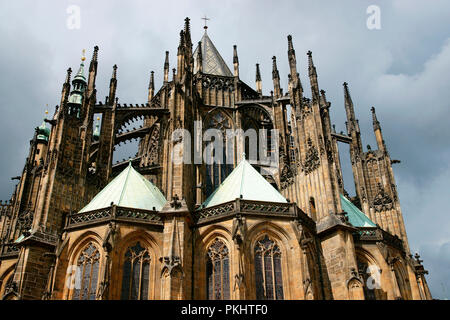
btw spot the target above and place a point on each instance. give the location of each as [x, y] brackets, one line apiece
[258, 73]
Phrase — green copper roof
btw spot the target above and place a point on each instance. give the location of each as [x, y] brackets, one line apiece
[80, 74]
[43, 132]
[246, 181]
[129, 189]
[355, 216]
[212, 61]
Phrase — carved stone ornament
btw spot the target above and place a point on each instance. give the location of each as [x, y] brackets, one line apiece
[238, 230]
[382, 200]
[312, 160]
[286, 177]
[153, 146]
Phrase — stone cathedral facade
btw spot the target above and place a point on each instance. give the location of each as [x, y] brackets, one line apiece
[80, 227]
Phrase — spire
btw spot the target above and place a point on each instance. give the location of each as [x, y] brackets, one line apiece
[187, 32]
[235, 61]
[376, 123]
[313, 78]
[113, 85]
[94, 59]
[92, 72]
[80, 74]
[258, 80]
[181, 57]
[69, 73]
[151, 86]
[181, 44]
[114, 74]
[275, 77]
[166, 68]
[275, 73]
[348, 104]
[377, 131]
[291, 57]
[66, 87]
[352, 123]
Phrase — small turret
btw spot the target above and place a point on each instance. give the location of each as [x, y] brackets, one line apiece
[43, 132]
[79, 85]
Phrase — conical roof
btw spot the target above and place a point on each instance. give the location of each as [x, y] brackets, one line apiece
[246, 181]
[212, 61]
[355, 216]
[80, 74]
[129, 189]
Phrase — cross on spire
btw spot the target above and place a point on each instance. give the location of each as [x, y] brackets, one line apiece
[206, 20]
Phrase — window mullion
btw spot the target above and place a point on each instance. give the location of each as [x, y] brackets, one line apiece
[140, 278]
[131, 279]
[264, 274]
[273, 275]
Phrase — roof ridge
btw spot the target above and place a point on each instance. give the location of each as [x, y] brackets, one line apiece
[242, 177]
[125, 183]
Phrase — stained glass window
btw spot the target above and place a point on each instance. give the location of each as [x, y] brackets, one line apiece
[87, 272]
[218, 271]
[268, 274]
[136, 273]
[217, 172]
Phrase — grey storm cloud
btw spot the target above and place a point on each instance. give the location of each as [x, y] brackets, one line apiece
[401, 69]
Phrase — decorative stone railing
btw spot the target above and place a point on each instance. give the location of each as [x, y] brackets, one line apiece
[250, 207]
[112, 213]
[378, 234]
[9, 249]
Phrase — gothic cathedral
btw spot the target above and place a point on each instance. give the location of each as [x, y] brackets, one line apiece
[79, 227]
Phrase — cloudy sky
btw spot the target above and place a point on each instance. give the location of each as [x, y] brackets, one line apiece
[403, 69]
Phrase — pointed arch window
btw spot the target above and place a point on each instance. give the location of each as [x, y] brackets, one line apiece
[218, 271]
[365, 271]
[217, 172]
[88, 264]
[136, 273]
[268, 274]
